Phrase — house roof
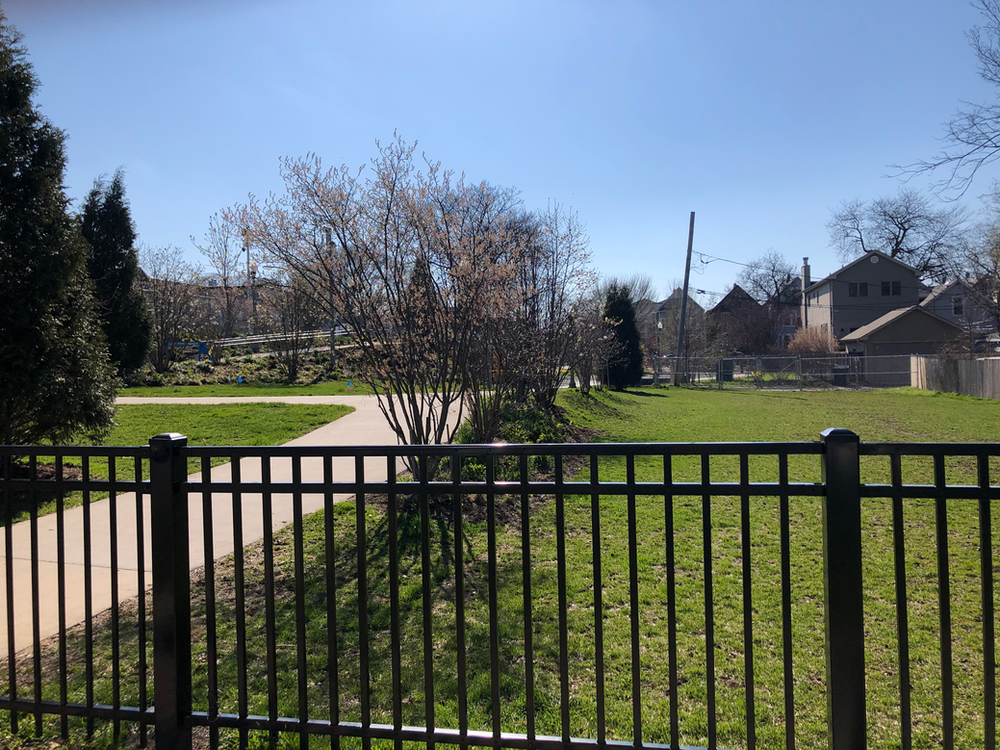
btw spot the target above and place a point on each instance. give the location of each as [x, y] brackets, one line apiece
[674, 300]
[736, 299]
[941, 289]
[888, 319]
[866, 256]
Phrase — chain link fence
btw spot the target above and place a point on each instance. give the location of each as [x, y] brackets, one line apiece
[789, 372]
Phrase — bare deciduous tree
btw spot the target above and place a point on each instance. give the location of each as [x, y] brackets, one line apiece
[981, 262]
[552, 275]
[972, 135]
[223, 249]
[907, 227]
[764, 278]
[406, 257]
[287, 312]
[176, 299]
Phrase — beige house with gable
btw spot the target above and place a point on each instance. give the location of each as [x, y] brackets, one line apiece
[887, 343]
[859, 293]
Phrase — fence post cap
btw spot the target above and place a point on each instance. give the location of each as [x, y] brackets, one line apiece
[839, 434]
[173, 437]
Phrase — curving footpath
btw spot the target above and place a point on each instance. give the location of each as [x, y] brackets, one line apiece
[365, 426]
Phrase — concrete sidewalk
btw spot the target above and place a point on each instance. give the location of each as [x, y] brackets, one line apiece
[365, 426]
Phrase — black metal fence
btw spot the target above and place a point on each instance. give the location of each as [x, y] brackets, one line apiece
[734, 595]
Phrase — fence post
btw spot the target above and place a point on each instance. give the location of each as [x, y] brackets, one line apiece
[171, 592]
[842, 586]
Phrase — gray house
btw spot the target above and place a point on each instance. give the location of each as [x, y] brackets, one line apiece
[859, 293]
[956, 301]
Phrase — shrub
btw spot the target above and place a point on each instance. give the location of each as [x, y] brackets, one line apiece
[813, 342]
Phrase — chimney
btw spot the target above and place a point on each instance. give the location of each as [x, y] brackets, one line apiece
[806, 281]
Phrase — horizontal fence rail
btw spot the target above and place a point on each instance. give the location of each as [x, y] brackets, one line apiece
[654, 595]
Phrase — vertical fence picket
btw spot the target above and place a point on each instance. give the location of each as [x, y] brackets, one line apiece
[36, 596]
[88, 599]
[786, 602]
[902, 613]
[61, 594]
[986, 571]
[9, 569]
[396, 654]
[363, 640]
[459, 552]
[298, 553]
[529, 649]
[140, 573]
[426, 603]
[747, 567]
[706, 547]
[332, 651]
[239, 598]
[944, 605]
[116, 666]
[270, 619]
[633, 602]
[669, 561]
[211, 650]
[595, 529]
[563, 607]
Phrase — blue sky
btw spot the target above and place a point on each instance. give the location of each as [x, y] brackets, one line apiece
[760, 117]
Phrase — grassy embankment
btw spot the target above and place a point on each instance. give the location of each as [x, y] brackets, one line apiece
[644, 415]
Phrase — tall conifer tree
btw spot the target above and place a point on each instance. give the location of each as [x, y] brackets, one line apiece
[55, 376]
[625, 363]
[114, 267]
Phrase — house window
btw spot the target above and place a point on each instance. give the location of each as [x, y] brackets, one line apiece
[857, 289]
[823, 327]
[957, 307]
[892, 288]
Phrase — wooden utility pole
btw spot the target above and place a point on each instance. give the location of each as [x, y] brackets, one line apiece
[684, 303]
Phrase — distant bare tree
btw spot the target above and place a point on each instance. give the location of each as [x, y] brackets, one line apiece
[981, 261]
[764, 278]
[594, 339]
[552, 274]
[287, 311]
[176, 299]
[223, 249]
[907, 227]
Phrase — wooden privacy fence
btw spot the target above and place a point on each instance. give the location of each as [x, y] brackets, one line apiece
[969, 377]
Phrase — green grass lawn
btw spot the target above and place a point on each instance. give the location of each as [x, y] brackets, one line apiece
[222, 424]
[227, 390]
[689, 415]
[203, 424]
[672, 415]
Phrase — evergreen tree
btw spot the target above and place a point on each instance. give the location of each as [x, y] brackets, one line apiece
[625, 362]
[55, 376]
[114, 267]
